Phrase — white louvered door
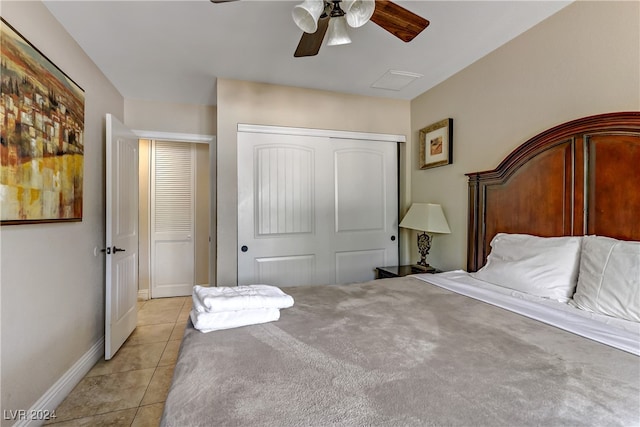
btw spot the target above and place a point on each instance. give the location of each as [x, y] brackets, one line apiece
[172, 219]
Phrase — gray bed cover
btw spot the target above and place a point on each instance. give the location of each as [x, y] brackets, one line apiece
[399, 352]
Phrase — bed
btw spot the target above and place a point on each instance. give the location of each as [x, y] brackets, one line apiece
[456, 348]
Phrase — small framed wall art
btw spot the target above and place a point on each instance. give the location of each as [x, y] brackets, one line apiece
[436, 144]
[41, 137]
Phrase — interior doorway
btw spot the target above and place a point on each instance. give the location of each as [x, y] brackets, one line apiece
[168, 261]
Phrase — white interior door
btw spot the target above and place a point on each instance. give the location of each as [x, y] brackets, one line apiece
[283, 210]
[314, 209]
[121, 235]
[172, 219]
[365, 180]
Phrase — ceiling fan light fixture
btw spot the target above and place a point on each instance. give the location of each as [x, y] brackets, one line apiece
[337, 33]
[358, 12]
[306, 15]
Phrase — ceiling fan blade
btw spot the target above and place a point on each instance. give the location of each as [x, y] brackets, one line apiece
[400, 22]
[309, 44]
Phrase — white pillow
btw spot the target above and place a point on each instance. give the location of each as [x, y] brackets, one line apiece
[609, 279]
[542, 266]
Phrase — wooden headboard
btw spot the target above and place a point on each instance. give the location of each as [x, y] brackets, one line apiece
[581, 177]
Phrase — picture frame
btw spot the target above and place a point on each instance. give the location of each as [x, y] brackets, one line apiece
[42, 136]
[436, 144]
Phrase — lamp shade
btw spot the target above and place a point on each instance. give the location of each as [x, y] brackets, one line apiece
[358, 12]
[337, 33]
[426, 217]
[306, 15]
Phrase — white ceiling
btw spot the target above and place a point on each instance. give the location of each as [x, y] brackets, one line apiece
[173, 51]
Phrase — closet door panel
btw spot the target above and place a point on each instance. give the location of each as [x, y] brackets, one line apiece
[366, 208]
[283, 235]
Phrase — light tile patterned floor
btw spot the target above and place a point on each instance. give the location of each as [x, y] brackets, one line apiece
[130, 389]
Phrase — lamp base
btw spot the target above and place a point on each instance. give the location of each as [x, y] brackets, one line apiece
[424, 244]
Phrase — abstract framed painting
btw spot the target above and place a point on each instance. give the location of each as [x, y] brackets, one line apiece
[41, 137]
[436, 144]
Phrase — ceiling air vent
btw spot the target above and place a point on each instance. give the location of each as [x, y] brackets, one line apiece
[395, 80]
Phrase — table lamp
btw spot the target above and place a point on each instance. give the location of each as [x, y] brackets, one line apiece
[428, 218]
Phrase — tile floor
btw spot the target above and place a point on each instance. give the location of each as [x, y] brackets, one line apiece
[130, 389]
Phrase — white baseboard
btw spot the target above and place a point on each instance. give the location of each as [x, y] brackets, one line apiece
[61, 389]
[143, 294]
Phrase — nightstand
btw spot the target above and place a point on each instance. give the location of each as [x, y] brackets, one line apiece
[402, 270]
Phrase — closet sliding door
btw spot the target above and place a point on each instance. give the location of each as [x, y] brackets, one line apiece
[365, 207]
[315, 209]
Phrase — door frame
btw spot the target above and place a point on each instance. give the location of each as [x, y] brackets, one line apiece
[327, 133]
[196, 139]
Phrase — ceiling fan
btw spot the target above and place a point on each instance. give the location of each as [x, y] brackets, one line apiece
[319, 17]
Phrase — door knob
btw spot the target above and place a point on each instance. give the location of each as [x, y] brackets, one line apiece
[393, 238]
[116, 249]
[244, 248]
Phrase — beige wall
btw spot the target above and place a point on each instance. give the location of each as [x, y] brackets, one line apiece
[52, 285]
[584, 60]
[144, 215]
[256, 103]
[202, 192]
[170, 117]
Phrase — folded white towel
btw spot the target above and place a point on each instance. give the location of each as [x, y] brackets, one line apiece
[227, 298]
[207, 322]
